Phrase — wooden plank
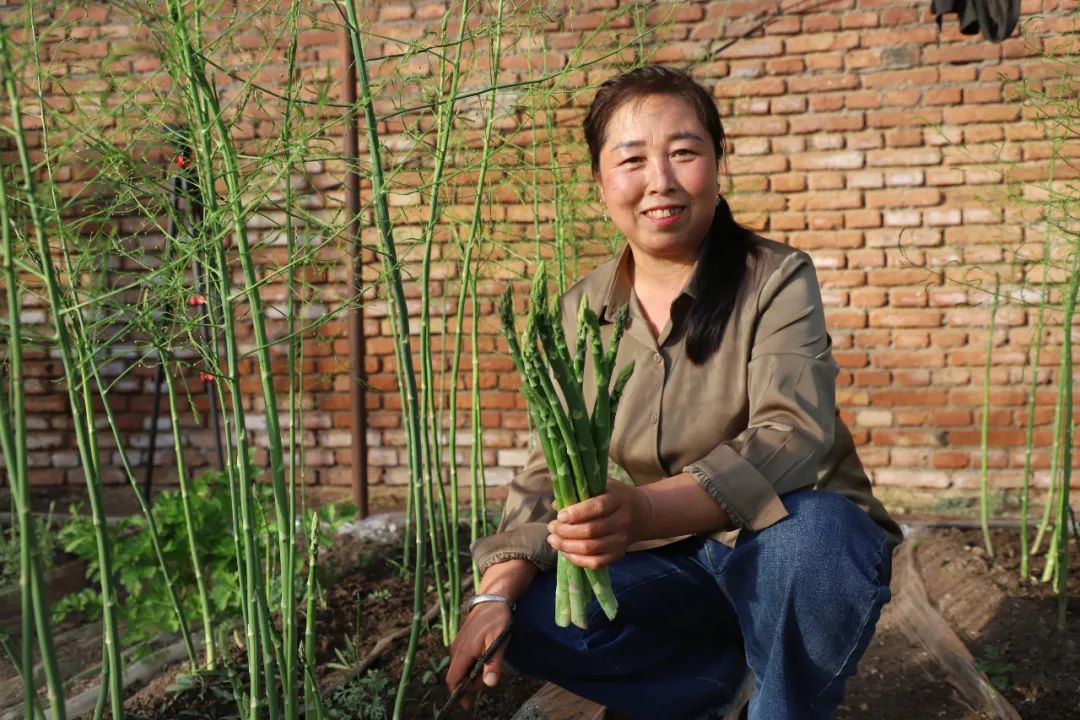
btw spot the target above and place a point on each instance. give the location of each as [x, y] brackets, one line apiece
[922, 624]
[59, 581]
[551, 702]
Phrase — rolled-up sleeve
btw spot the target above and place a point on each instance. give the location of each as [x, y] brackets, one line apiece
[522, 531]
[791, 392]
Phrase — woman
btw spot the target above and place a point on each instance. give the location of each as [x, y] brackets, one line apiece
[741, 543]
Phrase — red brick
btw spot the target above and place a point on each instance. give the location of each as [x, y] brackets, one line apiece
[754, 47]
[961, 53]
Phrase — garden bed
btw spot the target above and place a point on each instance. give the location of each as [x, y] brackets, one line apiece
[1008, 626]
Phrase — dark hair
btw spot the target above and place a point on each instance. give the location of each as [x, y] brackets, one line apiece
[722, 264]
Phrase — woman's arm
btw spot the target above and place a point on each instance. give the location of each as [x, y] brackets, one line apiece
[485, 622]
[597, 532]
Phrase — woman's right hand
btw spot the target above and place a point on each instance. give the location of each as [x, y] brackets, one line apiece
[481, 628]
[483, 625]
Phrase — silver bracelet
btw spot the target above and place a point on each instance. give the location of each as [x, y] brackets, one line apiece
[490, 597]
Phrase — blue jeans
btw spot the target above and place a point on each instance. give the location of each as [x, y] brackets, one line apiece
[796, 602]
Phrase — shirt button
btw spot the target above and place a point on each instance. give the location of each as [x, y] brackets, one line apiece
[654, 418]
[658, 358]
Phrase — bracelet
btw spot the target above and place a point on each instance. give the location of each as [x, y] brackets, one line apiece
[491, 597]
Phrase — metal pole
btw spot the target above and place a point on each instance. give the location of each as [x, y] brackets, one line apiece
[358, 408]
[159, 373]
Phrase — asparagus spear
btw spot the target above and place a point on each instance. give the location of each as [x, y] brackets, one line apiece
[575, 445]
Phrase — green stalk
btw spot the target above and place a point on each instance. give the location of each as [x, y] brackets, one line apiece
[13, 437]
[559, 357]
[567, 429]
[604, 363]
[1051, 498]
[573, 593]
[599, 580]
[310, 690]
[288, 570]
[273, 429]
[468, 281]
[1065, 401]
[477, 482]
[189, 519]
[393, 271]
[430, 450]
[571, 599]
[1029, 434]
[144, 506]
[84, 436]
[399, 374]
[557, 194]
[202, 109]
[984, 487]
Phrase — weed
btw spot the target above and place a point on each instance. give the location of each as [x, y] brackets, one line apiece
[997, 668]
[362, 698]
[383, 594]
[45, 545]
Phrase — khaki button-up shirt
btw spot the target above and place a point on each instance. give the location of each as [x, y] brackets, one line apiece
[755, 421]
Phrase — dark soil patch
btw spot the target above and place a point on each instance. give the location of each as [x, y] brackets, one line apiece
[1009, 626]
[367, 602]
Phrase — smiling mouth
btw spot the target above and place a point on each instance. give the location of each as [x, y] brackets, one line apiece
[661, 213]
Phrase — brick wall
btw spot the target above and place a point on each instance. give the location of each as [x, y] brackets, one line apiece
[859, 133]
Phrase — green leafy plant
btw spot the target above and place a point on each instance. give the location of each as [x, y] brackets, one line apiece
[383, 594]
[144, 607]
[999, 670]
[45, 546]
[435, 668]
[362, 698]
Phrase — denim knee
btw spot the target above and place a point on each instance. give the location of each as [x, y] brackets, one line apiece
[808, 591]
[823, 531]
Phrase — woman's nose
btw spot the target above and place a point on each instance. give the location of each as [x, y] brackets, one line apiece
[661, 176]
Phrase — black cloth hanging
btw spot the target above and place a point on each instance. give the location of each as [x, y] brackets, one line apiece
[996, 18]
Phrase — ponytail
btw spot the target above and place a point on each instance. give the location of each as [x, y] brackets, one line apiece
[718, 277]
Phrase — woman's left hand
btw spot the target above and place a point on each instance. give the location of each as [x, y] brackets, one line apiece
[596, 532]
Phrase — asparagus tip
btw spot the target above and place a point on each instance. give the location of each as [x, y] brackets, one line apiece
[506, 309]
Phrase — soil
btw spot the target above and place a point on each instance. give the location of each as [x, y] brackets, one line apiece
[1009, 626]
[368, 601]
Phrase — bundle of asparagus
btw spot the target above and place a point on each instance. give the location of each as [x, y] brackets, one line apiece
[575, 443]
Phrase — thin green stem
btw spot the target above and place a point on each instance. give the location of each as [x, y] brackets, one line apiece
[85, 438]
[412, 408]
[1029, 433]
[984, 486]
[186, 503]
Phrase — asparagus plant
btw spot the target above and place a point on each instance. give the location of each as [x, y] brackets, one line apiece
[574, 442]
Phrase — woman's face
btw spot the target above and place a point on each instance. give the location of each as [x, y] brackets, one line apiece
[657, 176]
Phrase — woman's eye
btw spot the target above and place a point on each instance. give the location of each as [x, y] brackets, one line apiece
[683, 152]
[632, 160]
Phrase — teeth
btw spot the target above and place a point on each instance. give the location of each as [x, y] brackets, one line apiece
[664, 213]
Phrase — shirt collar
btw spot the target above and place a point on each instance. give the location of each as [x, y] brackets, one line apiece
[619, 287]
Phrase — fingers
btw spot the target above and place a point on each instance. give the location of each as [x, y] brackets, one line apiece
[481, 629]
[594, 562]
[591, 530]
[460, 663]
[493, 668]
[599, 546]
[591, 509]
[488, 677]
